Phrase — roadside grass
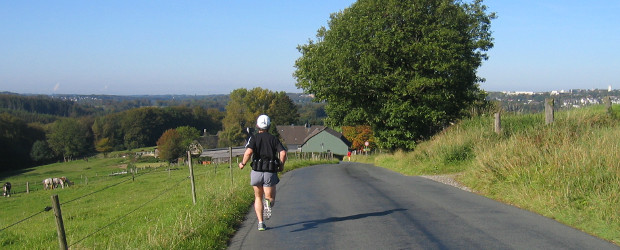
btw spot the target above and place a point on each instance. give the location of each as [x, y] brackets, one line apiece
[151, 210]
[568, 170]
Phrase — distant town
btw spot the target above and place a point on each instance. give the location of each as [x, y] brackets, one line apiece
[530, 102]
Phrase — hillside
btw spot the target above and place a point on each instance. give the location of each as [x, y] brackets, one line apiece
[568, 171]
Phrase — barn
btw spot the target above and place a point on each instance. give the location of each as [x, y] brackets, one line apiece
[293, 136]
[326, 140]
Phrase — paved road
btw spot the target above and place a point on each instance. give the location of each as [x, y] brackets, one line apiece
[358, 206]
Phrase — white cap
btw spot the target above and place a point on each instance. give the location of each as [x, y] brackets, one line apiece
[263, 122]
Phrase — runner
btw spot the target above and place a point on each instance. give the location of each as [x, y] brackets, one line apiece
[268, 157]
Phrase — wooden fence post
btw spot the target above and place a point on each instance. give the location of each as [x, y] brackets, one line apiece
[231, 166]
[607, 101]
[549, 103]
[498, 123]
[27, 188]
[191, 176]
[60, 227]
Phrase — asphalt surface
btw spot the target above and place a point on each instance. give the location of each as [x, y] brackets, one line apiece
[359, 206]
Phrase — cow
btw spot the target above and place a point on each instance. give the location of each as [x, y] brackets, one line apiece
[6, 189]
[66, 181]
[60, 181]
[56, 182]
[48, 183]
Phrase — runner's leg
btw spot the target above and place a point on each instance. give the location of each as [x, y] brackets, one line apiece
[270, 194]
[258, 202]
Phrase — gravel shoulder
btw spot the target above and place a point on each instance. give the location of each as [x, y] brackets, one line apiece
[448, 179]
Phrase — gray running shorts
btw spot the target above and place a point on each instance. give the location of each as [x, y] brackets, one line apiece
[265, 179]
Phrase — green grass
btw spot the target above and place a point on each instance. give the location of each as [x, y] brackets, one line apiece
[154, 210]
[568, 170]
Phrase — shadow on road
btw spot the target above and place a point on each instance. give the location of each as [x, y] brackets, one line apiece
[313, 223]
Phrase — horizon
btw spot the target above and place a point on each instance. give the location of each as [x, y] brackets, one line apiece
[609, 89]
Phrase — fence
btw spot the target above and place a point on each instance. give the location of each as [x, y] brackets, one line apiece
[549, 113]
[57, 204]
[32, 186]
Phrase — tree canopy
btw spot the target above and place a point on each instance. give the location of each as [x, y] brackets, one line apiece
[170, 145]
[70, 138]
[246, 105]
[407, 68]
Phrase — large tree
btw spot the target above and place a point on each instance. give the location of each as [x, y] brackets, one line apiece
[70, 138]
[188, 135]
[405, 67]
[246, 105]
[169, 145]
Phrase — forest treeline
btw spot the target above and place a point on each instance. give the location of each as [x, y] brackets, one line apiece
[43, 108]
[41, 129]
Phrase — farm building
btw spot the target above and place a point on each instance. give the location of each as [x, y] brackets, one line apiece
[326, 140]
[294, 136]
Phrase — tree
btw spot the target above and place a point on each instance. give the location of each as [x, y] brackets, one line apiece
[41, 152]
[141, 126]
[169, 145]
[16, 140]
[69, 138]
[407, 68]
[282, 109]
[104, 145]
[246, 105]
[107, 131]
[188, 135]
[358, 136]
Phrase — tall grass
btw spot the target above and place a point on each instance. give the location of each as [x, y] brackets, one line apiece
[154, 210]
[568, 170]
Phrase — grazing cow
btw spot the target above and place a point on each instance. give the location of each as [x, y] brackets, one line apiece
[48, 183]
[66, 181]
[6, 189]
[60, 181]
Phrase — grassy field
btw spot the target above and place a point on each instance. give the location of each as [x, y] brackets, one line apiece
[568, 170]
[152, 209]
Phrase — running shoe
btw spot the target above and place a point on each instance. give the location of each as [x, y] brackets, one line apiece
[261, 226]
[266, 209]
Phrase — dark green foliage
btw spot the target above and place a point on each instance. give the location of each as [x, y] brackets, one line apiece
[16, 140]
[312, 113]
[41, 152]
[70, 138]
[141, 127]
[246, 105]
[45, 105]
[188, 135]
[457, 154]
[407, 68]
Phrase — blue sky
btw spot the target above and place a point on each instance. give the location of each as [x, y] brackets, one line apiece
[212, 47]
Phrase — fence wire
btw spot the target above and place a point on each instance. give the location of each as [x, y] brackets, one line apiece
[130, 212]
[48, 208]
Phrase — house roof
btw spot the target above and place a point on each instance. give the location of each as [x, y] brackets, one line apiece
[296, 135]
[330, 131]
